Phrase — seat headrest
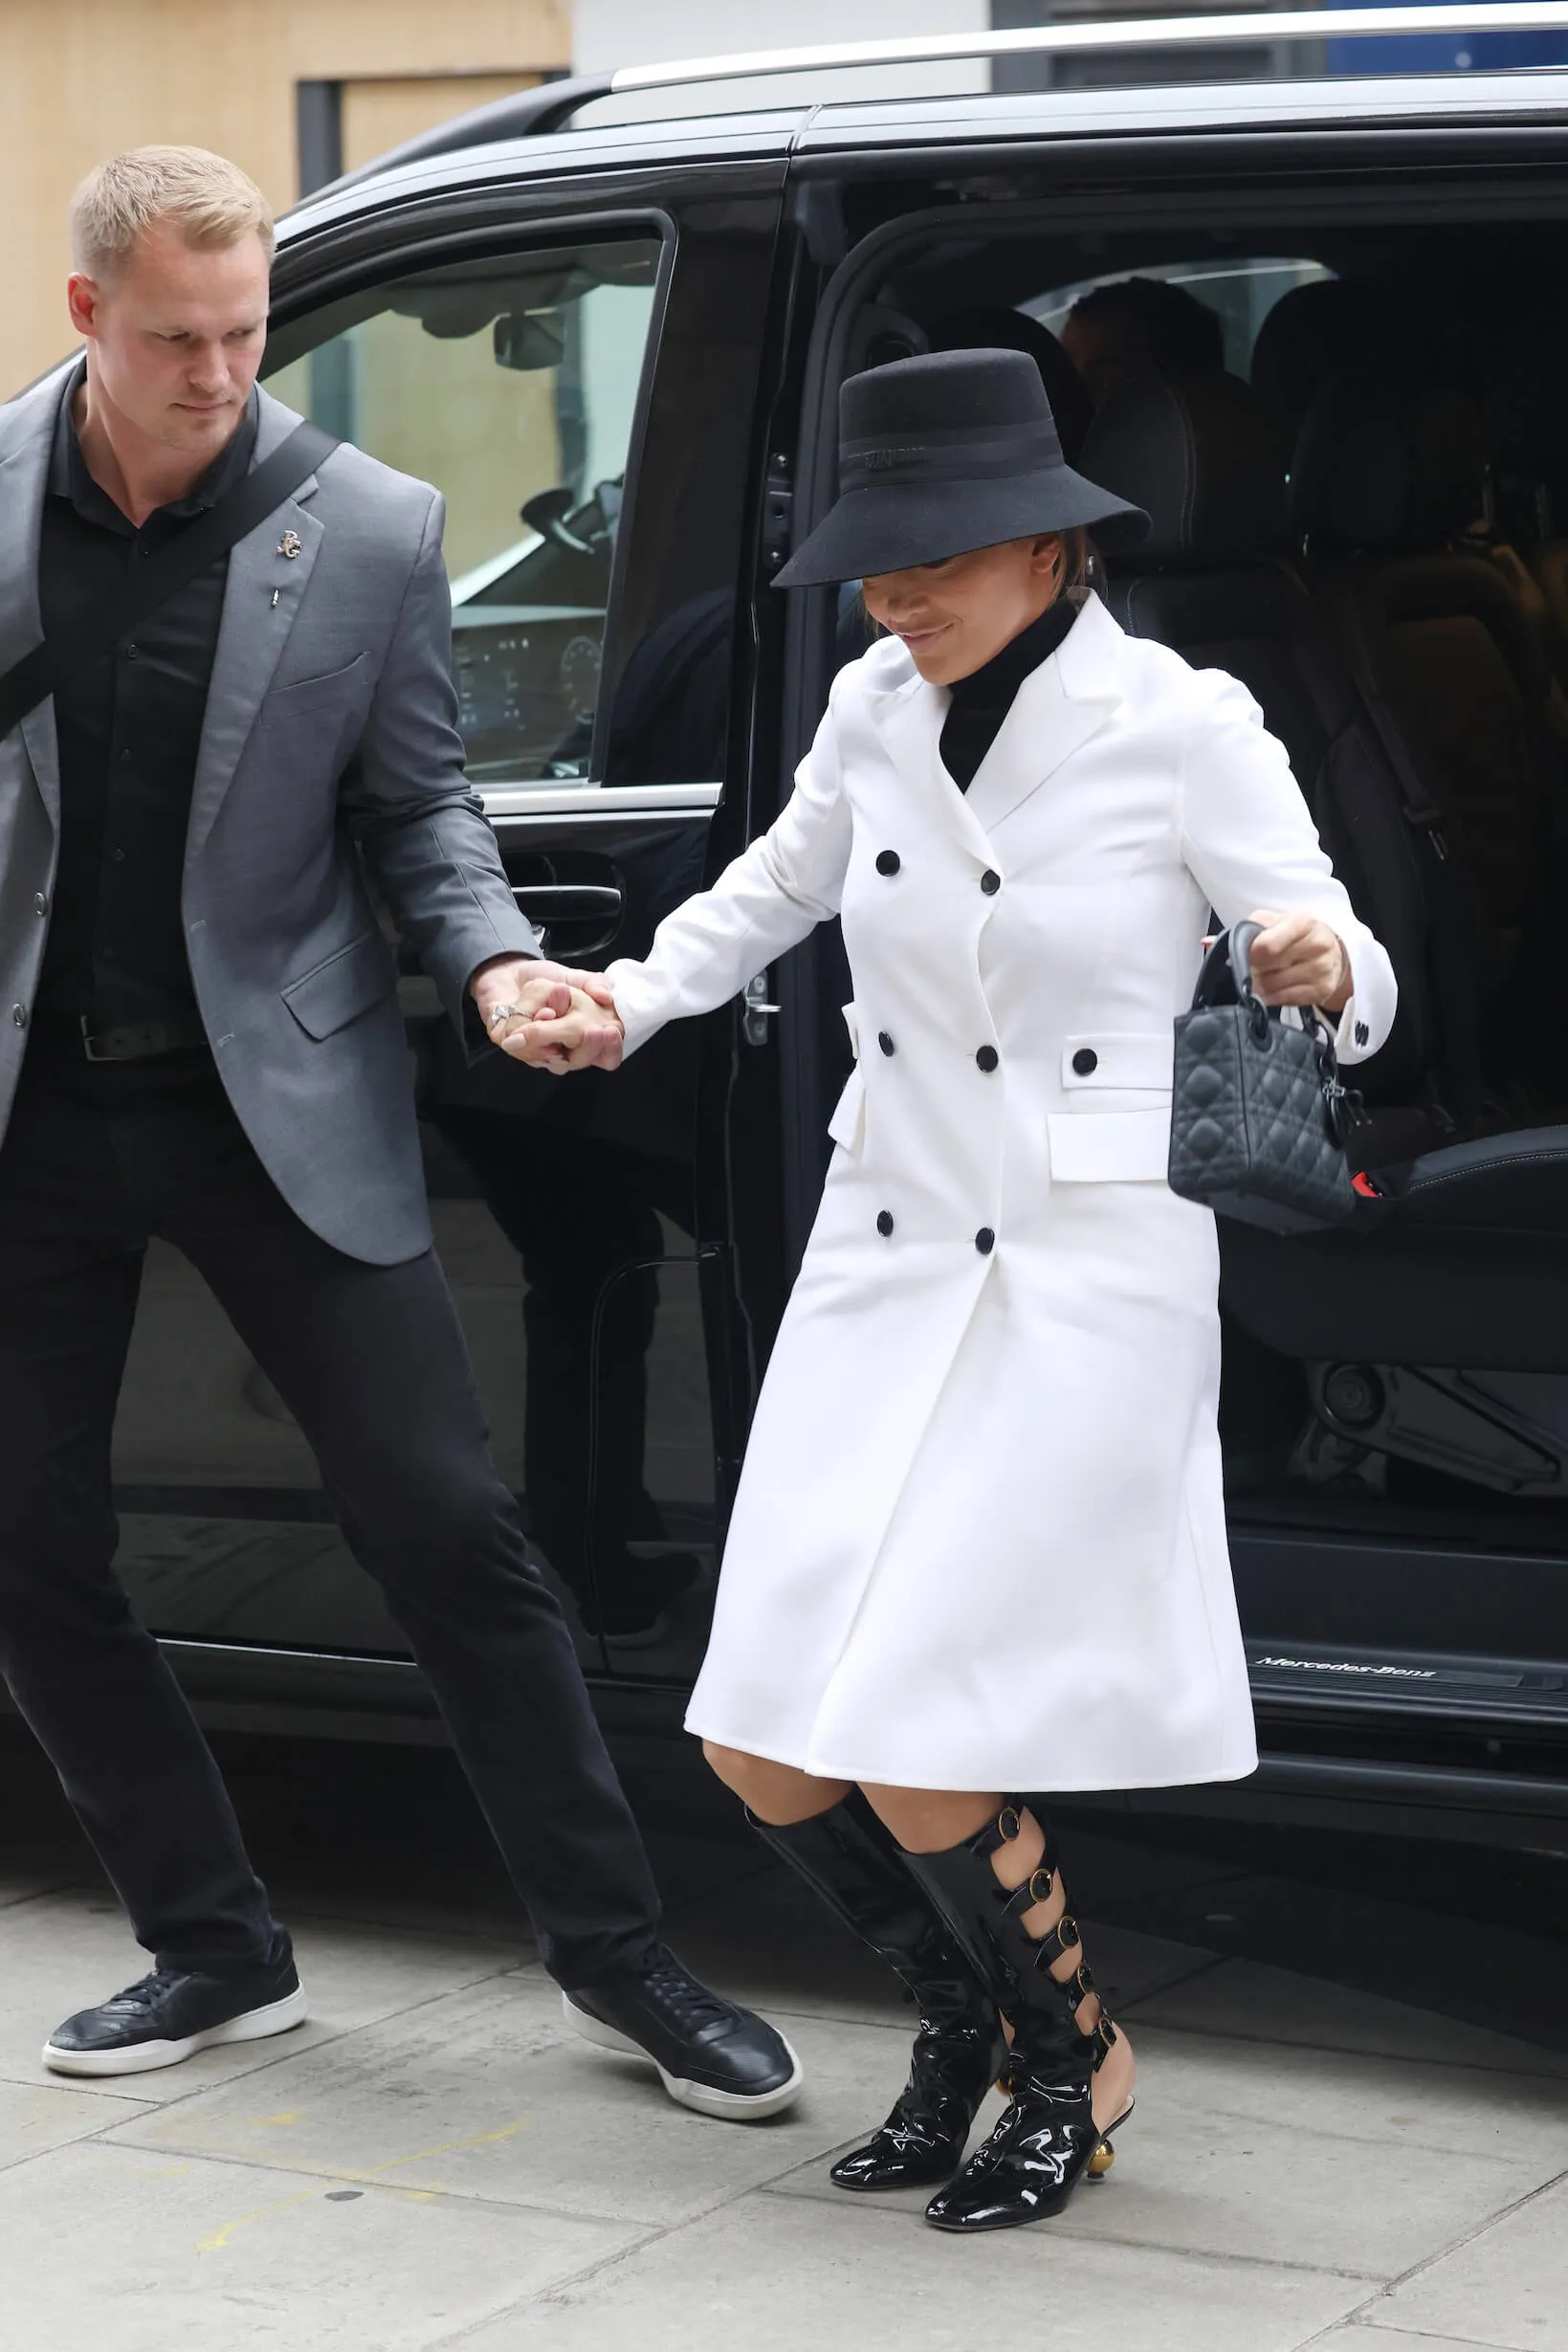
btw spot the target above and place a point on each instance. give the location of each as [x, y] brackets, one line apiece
[1196, 453]
[1318, 332]
[1014, 330]
[1376, 467]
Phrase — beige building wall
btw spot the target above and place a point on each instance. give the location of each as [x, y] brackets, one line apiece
[80, 79]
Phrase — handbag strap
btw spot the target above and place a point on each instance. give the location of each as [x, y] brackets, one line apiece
[167, 570]
[1226, 972]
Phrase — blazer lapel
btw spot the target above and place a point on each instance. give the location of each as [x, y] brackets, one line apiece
[28, 431]
[1056, 710]
[268, 571]
[909, 721]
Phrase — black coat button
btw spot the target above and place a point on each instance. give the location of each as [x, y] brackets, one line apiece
[884, 1041]
[990, 881]
[888, 861]
[18, 1013]
[988, 1059]
[40, 903]
[884, 1222]
[1363, 1032]
[1085, 1061]
[986, 1241]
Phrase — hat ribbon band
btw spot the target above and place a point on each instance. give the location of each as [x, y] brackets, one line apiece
[976, 456]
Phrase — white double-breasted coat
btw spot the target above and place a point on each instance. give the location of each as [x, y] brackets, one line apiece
[980, 1539]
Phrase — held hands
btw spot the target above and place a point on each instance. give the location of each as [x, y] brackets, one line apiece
[1297, 959]
[547, 1016]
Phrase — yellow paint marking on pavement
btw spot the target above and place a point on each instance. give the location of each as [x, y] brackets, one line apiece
[290, 2115]
[224, 2236]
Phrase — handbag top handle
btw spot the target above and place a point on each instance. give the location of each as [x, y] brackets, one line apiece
[1226, 972]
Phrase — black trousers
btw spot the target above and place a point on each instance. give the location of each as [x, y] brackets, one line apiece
[372, 1364]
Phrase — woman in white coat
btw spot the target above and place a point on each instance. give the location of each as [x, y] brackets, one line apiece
[979, 1547]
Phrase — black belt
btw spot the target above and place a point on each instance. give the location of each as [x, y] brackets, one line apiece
[124, 1041]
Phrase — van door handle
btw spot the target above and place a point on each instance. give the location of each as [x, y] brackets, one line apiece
[580, 917]
[568, 902]
[755, 1018]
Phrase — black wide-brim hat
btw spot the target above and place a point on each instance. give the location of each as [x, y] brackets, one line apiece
[945, 453]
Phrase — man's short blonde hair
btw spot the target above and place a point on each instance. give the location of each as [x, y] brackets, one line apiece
[208, 200]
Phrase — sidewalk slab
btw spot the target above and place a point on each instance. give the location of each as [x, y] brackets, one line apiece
[156, 2254]
[1193, 2180]
[1508, 2287]
[34, 2116]
[543, 2117]
[779, 2274]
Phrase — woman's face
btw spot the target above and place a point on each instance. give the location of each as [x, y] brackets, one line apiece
[955, 615]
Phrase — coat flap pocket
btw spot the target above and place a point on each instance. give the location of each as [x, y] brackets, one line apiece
[848, 1124]
[1126, 1058]
[347, 985]
[851, 1022]
[1090, 1148]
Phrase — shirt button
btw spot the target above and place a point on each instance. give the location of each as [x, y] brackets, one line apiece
[988, 1059]
[40, 903]
[884, 1041]
[133, 653]
[125, 758]
[143, 548]
[1085, 1061]
[18, 1013]
[118, 857]
[990, 881]
[986, 1241]
[884, 1217]
[888, 861]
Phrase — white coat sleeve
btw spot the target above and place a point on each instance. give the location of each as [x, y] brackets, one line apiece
[766, 901]
[1250, 841]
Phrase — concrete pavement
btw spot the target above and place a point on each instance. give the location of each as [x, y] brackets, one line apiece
[434, 2161]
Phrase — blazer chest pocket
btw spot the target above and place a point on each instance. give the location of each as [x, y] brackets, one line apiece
[333, 689]
[337, 991]
[1116, 1127]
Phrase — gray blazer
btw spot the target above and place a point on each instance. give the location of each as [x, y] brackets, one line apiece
[330, 739]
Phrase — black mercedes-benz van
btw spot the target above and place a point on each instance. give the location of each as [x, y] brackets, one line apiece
[616, 346]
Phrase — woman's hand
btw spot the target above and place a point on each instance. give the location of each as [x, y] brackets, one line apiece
[1297, 959]
[586, 1036]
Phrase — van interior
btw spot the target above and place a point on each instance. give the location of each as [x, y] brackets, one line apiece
[1356, 466]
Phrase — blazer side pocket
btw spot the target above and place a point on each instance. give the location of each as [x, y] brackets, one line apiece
[1088, 1147]
[337, 991]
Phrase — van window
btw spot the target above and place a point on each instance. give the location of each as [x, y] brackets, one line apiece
[1241, 293]
[512, 384]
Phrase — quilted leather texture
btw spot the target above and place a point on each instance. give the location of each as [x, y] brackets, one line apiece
[1251, 1135]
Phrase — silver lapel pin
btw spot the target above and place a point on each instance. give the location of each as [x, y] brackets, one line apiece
[290, 544]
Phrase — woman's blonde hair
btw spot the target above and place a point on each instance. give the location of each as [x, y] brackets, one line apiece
[208, 200]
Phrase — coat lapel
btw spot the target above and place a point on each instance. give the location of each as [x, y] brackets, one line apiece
[1056, 710]
[910, 720]
[261, 601]
[27, 438]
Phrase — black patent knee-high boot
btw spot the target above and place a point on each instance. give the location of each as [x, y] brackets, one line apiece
[1046, 2139]
[851, 1861]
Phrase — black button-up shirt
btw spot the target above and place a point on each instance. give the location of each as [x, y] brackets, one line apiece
[129, 725]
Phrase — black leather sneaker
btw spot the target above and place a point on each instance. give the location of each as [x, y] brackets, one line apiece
[173, 2013]
[712, 2055]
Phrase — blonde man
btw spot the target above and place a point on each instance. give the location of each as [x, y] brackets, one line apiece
[205, 1044]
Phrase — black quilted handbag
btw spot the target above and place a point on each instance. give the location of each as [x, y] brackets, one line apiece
[1259, 1120]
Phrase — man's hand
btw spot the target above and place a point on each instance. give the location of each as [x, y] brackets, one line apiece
[1297, 959]
[587, 1036]
[520, 997]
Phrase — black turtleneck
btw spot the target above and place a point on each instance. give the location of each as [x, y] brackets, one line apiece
[981, 700]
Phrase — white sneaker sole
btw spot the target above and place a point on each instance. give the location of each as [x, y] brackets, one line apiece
[145, 2057]
[732, 2106]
